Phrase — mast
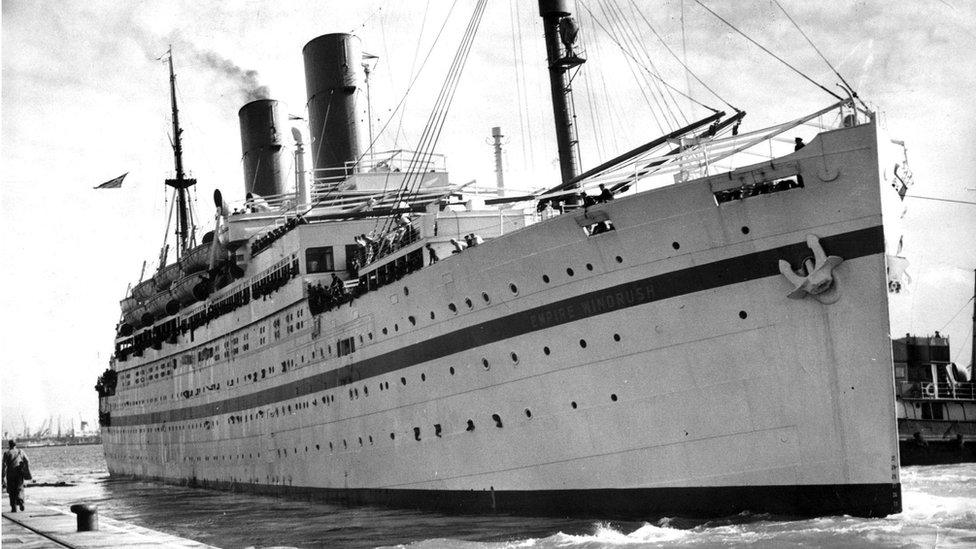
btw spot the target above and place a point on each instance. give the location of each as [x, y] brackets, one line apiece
[181, 183]
[972, 357]
[560, 33]
[496, 136]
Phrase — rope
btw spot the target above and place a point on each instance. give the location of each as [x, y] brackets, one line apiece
[763, 48]
[822, 56]
[615, 22]
[678, 59]
[518, 83]
[435, 123]
[941, 199]
[624, 50]
[961, 309]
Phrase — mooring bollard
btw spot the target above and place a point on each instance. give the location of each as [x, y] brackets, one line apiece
[87, 516]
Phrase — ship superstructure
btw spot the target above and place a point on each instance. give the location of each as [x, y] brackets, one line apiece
[709, 346]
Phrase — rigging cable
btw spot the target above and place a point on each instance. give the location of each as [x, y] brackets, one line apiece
[435, 122]
[518, 83]
[650, 60]
[630, 66]
[587, 85]
[763, 48]
[616, 24]
[664, 82]
[814, 46]
[684, 64]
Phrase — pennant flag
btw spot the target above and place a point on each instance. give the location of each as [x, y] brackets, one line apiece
[113, 183]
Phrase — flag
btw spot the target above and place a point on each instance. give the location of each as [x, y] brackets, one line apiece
[113, 183]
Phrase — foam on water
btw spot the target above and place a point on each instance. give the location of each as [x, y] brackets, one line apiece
[939, 510]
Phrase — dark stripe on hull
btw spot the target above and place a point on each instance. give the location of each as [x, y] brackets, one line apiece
[717, 274]
[863, 500]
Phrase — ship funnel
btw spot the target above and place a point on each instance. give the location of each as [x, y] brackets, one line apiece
[333, 63]
[262, 129]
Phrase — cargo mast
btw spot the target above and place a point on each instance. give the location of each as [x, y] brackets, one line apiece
[185, 236]
[560, 32]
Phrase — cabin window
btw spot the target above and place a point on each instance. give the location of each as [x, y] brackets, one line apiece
[319, 260]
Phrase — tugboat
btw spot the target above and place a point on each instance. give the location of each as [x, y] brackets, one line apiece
[936, 402]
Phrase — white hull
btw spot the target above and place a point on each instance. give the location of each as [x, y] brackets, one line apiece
[697, 373]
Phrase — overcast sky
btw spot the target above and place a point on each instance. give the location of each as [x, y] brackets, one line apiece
[84, 99]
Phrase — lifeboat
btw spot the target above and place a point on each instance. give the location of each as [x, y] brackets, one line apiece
[144, 290]
[189, 289]
[155, 307]
[166, 276]
[198, 258]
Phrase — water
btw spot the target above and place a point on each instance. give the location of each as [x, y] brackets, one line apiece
[939, 503]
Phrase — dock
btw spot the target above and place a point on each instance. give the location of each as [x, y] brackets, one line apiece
[41, 526]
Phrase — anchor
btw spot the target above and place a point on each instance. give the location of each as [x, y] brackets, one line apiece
[819, 281]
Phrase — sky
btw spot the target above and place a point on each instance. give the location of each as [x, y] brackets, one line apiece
[84, 99]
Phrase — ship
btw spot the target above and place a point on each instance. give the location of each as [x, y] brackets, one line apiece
[704, 347]
[936, 403]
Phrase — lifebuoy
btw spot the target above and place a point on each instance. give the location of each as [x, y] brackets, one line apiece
[928, 389]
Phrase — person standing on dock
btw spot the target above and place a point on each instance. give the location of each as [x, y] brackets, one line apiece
[15, 472]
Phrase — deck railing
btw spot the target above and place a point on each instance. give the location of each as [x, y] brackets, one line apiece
[945, 390]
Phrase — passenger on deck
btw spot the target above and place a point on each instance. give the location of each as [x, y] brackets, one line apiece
[587, 200]
[476, 239]
[458, 246]
[337, 286]
[799, 144]
[433, 254]
[605, 194]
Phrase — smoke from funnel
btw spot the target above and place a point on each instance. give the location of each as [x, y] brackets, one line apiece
[246, 80]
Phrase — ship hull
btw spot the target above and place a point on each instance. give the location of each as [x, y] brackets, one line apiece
[862, 500]
[659, 368]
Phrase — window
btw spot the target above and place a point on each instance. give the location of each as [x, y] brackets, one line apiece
[319, 260]
[353, 259]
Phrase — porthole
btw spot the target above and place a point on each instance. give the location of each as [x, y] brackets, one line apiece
[743, 314]
[546, 351]
[384, 331]
[370, 335]
[613, 397]
[582, 343]
[528, 413]
[403, 381]
[451, 369]
[485, 297]
[573, 404]
[514, 357]
[619, 259]
[392, 436]
[484, 364]
[616, 337]
[396, 327]
[675, 245]
[412, 320]
[545, 278]
[514, 288]
[569, 272]
[423, 377]
[406, 291]
[589, 266]
[452, 307]
[497, 419]
[745, 230]
[432, 316]
[467, 301]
